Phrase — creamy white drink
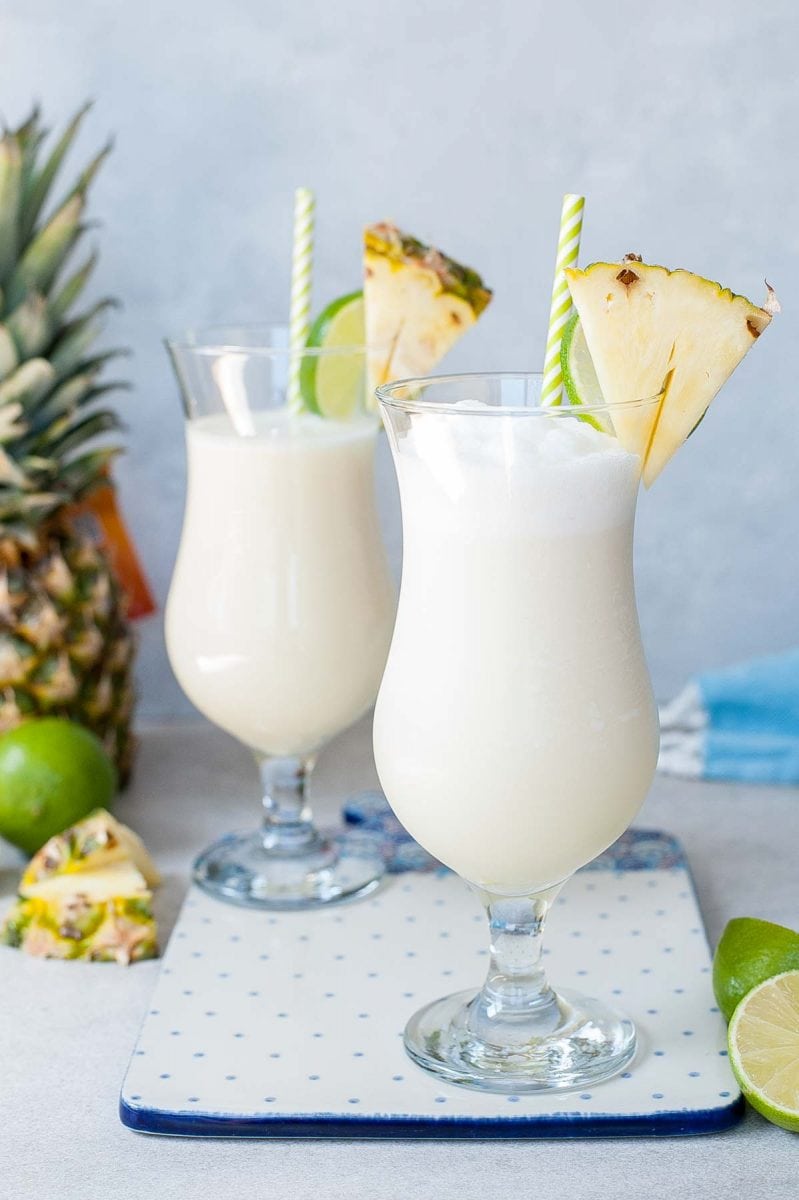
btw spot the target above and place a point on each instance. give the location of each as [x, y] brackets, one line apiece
[515, 731]
[281, 607]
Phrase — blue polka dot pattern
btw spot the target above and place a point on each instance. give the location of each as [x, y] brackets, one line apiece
[282, 1013]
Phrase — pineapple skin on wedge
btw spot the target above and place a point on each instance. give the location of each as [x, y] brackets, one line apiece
[99, 840]
[100, 916]
[418, 303]
[654, 332]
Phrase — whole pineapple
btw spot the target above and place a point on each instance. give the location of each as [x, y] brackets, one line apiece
[65, 645]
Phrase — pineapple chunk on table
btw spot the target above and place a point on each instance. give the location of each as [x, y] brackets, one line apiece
[103, 915]
[99, 840]
[86, 894]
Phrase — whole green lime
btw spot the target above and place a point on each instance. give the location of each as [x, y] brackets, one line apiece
[52, 774]
[749, 952]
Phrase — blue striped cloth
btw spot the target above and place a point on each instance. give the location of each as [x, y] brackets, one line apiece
[740, 723]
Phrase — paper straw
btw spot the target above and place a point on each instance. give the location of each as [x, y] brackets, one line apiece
[301, 272]
[571, 226]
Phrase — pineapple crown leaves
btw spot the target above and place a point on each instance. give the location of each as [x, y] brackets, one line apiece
[50, 390]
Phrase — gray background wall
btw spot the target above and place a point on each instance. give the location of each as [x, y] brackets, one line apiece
[465, 122]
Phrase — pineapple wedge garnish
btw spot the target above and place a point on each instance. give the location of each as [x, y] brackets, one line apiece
[99, 840]
[418, 303]
[653, 332]
[103, 915]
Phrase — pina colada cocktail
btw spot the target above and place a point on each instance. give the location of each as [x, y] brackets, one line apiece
[282, 604]
[515, 732]
[281, 608]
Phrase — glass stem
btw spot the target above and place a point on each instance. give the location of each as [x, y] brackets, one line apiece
[288, 826]
[516, 998]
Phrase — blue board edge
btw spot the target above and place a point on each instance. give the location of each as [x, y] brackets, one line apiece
[332, 1125]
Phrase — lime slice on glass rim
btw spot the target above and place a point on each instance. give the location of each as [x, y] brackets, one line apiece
[763, 1041]
[579, 377]
[333, 385]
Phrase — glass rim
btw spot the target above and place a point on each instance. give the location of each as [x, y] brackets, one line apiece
[387, 395]
[213, 347]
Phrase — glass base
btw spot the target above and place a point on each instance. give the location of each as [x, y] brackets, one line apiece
[240, 869]
[571, 1042]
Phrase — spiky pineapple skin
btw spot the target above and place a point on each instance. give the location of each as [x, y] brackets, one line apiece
[385, 240]
[97, 841]
[120, 929]
[66, 648]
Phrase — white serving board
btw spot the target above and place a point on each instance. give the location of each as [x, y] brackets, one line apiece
[290, 1024]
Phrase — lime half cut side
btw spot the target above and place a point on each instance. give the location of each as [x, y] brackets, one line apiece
[579, 377]
[333, 384]
[764, 1048]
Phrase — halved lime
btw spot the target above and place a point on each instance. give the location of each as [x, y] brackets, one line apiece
[751, 950]
[333, 384]
[763, 1042]
[579, 377]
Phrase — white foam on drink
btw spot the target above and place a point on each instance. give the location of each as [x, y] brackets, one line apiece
[547, 473]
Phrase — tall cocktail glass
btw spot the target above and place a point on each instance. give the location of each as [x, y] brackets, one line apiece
[281, 605]
[515, 731]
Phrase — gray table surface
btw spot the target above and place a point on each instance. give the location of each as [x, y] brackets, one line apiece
[67, 1029]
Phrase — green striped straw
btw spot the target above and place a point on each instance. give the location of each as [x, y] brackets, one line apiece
[301, 277]
[571, 226]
